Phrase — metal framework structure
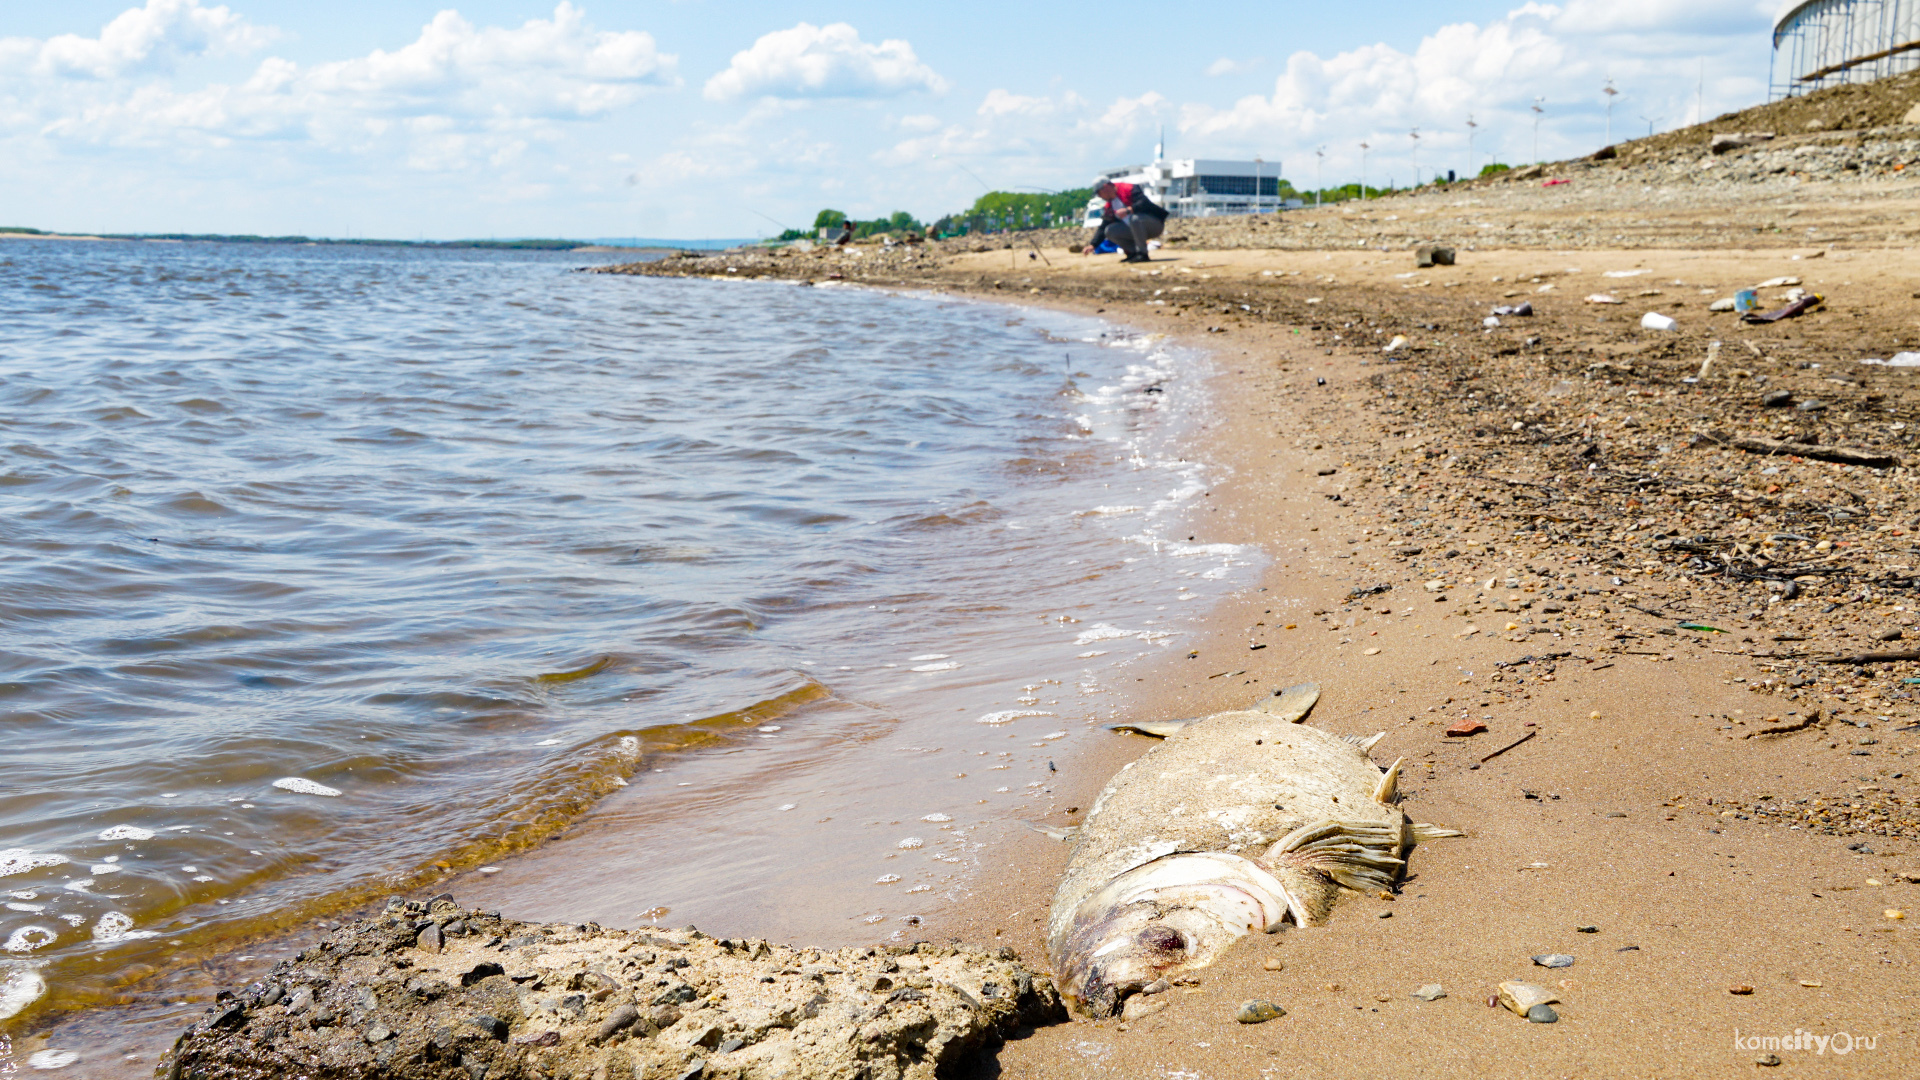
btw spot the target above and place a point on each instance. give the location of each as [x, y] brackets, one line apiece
[1820, 43]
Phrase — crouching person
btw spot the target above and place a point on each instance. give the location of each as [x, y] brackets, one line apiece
[1127, 218]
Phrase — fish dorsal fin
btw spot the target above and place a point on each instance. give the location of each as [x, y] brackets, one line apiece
[1158, 729]
[1365, 742]
[1388, 789]
[1292, 704]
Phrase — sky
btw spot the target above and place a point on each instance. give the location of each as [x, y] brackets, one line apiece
[700, 118]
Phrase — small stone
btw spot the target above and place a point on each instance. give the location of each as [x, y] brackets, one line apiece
[1776, 399]
[1588, 929]
[1740, 988]
[379, 1033]
[1157, 986]
[1258, 1011]
[1430, 992]
[1542, 1014]
[491, 1026]
[729, 1046]
[430, 938]
[1894, 913]
[617, 1021]
[1519, 997]
[537, 1038]
[1274, 964]
[1769, 1060]
[1331, 988]
[1384, 915]
[1554, 960]
[1138, 1007]
[1465, 728]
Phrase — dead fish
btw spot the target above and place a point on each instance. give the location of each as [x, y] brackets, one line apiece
[1236, 823]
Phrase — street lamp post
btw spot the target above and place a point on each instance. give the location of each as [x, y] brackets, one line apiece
[1539, 107]
[1415, 136]
[1319, 160]
[1611, 94]
[1363, 170]
[1472, 130]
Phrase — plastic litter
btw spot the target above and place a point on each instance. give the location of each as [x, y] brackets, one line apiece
[1899, 359]
[1798, 307]
[1745, 301]
[1653, 320]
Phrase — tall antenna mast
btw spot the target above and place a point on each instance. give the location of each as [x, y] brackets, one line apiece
[1539, 109]
[1363, 170]
[1472, 130]
[1415, 136]
[1611, 94]
[1319, 159]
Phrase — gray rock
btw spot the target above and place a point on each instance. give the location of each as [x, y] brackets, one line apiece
[1542, 1014]
[1811, 405]
[379, 1033]
[1258, 1011]
[1776, 399]
[430, 938]
[1432, 255]
[1430, 992]
[1554, 960]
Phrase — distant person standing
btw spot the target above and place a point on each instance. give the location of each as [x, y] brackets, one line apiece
[1128, 218]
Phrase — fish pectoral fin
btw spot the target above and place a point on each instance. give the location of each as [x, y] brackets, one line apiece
[1361, 855]
[1292, 704]
[1388, 789]
[1158, 729]
[1062, 834]
[1424, 831]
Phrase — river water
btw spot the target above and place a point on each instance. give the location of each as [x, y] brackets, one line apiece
[327, 573]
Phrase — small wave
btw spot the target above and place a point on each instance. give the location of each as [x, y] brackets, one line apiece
[1009, 716]
[302, 786]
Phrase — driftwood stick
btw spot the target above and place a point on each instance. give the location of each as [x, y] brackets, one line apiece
[1838, 454]
[1872, 657]
[1508, 747]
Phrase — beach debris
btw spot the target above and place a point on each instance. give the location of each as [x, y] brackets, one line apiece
[1725, 303]
[1727, 141]
[1769, 1060]
[1589, 929]
[1426, 255]
[1778, 283]
[1274, 963]
[1653, 320]
[1554, 960]
[1703, 627]
[1899, 359]
[1776, 399]
[1399, 342]
[1521, 997]
[1741, 989]
[1509, 746]
[1839, 455]
[1542, 1014]
[1521, 309]
[1603, 298]
[1746, 300]
[1798, 307]
[1464, 728]
[1430, 992]
[1258, 1011]
[1150, 895]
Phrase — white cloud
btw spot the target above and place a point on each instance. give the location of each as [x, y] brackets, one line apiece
[1017, 141]
[831, 61]
[1226, 65]
[145, 39]
[456, 96]
[1652, 50]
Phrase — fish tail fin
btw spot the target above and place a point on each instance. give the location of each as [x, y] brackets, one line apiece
[1361, 855]
[1388, 789]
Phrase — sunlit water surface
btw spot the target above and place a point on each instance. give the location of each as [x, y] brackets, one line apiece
[330, 573]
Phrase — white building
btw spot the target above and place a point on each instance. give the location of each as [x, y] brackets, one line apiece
[1204, 187]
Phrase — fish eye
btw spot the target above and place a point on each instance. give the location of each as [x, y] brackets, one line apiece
[1164, 938]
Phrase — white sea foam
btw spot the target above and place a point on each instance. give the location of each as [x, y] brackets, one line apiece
[1094, 653]
[767, 729]
[1010, 715]
[1055, 735]
[52, 1059]
[542, 742]
[929, 656]
[629, 745]
[947, 665]
[19, 989]
[886, 879]
[303, 786]
[20, 860]
[1100, 632]
[910, 843]
[937, 818]
[118, 926]
[127, 832]
[31, 909]
[84, 885]
[29, 938]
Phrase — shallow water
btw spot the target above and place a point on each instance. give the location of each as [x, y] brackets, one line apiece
[333, 573]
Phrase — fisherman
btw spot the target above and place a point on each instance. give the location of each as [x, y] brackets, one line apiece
[1127, 217]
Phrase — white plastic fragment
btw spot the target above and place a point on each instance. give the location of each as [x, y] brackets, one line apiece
[1653, 320]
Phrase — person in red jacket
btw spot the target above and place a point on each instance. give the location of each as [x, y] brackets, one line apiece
[1127, 217]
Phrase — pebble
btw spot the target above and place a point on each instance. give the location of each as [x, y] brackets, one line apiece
[1768, 1060]
[1273, 964]
[1430, 992]
[1521, 997]
[1587, 929]
[1775, 399]
[1389, 915]
[1542, 1014]
[430, 938]
[619, 1020]
[1258, 1011]
[1554, 960]
[1740, 988]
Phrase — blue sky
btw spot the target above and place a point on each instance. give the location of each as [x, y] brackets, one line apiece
[699, 118]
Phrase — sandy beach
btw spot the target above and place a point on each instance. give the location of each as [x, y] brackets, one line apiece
[1656, 582]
